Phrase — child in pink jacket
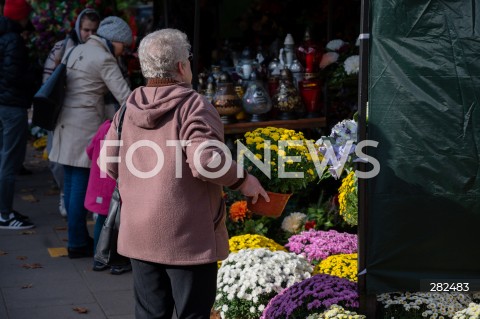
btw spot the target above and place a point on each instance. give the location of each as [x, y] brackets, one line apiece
[99, 194]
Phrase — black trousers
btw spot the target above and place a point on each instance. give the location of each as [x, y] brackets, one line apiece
[159, 289]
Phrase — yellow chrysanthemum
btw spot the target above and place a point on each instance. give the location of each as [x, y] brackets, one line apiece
[348, 199]
[250, 241]
[303, 167]
[343, 265]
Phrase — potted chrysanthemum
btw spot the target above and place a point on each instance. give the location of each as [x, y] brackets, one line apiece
[312, 295]
[316, 245]
[336, 312]
[420, 305]
[281, 159]
[341, 265]
[248, 279]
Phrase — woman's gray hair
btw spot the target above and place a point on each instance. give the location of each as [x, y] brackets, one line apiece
[160, 51]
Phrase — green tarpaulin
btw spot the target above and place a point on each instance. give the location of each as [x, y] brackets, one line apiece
[424, 89]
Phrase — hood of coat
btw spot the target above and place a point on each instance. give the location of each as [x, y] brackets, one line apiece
[148, 105]
[7, 25]
[79, 20]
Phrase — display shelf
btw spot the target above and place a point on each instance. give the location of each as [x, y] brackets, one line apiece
[242, 127]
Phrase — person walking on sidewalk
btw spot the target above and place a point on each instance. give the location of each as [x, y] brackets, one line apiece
[173, 215]
[86, 25]
[99, 193]
[14, 102]
[92, 71]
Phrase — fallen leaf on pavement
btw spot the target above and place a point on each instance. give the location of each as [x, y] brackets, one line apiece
[32, 266]
[60, 228]
[3, 253]
[27, 286]
[29, 198]
[52, 192]
[27, 190]
[22, 257]
[27, 232]
[80, 309]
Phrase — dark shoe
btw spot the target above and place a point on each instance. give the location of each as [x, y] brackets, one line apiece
[80, 252]
[98, 266]
[24, 171]
[118, 270]
[20, 216]
[12, 222]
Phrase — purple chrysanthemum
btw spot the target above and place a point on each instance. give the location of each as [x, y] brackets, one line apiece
[319, 244]
[315, 294]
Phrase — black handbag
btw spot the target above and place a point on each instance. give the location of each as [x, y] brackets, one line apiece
[48, 101]
[106, 250]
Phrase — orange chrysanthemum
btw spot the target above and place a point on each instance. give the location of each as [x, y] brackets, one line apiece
[238, 211]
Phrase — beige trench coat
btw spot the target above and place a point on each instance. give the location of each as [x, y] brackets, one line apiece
[92, 71]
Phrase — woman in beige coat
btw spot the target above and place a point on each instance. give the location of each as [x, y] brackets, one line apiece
[92, 71]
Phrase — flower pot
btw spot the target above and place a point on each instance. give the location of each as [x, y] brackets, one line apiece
[274, 208]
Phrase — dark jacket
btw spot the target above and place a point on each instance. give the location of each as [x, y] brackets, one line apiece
[14, 66]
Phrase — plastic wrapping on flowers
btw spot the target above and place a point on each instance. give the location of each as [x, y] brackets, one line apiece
[339, 149]
[248, 279]
[280, 158]
[316, 245]
[312, 295]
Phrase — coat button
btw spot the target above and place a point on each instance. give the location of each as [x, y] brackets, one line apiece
[62, 126]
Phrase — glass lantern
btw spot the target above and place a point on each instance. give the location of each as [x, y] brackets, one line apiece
[226, 100]
[256, 100]
[287, 102]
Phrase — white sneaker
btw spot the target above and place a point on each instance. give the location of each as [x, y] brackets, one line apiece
[61, 206]
[12, 222]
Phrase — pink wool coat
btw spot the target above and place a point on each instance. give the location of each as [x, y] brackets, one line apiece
[166, 218]
[99, 189]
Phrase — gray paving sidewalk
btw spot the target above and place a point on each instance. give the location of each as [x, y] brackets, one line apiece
[59, 284]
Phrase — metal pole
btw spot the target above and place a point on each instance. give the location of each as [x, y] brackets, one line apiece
[165, 12]
[196, 41]
[368, 303]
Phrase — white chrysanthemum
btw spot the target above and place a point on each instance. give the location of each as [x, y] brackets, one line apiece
[472, 312]
[352, 64]
[255, 273]
[293, 222]
[335, 45]
[438, 304]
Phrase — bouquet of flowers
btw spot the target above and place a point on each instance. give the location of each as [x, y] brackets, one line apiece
[339, 148]
[248, 241]
[343, 266]
[348, 199]
[316, 245]
[340, 62]
[247, 280]
[336, 312]
[312, 295]
[280, 158]
[420, 305]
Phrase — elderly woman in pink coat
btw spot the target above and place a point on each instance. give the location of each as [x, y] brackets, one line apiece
[172, 223]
